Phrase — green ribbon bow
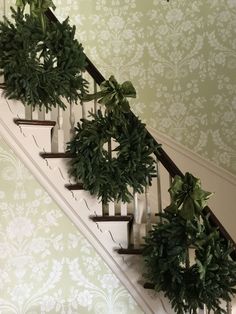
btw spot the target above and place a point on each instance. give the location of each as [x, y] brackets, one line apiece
[113, 95]
[187, 196]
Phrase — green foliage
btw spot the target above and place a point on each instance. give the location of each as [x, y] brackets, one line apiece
[109, 177]
[40, 68]
[211, 276]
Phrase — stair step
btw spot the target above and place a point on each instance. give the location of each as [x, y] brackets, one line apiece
[130, 251]
[74, 187]
[34, 122]
[57, 155]
[105, 218]
[149, 285]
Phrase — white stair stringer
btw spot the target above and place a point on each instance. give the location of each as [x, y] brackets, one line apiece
[78, 208]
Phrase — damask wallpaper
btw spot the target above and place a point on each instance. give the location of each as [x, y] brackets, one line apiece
[46, 265]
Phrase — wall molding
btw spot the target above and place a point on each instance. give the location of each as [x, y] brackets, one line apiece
[219, 171]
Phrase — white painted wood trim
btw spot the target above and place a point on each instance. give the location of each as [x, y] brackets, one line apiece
[166, 140]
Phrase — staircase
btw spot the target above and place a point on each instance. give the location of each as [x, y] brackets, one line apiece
[111, 232]
[116, 231]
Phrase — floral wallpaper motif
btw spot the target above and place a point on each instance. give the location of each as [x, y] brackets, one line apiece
[46, 265]
[181, 57]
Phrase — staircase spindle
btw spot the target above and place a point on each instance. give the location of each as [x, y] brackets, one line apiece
[111, 209]
[35, 113]
[170, 181]
[229, 307]
[147, 208]
[47, 115]
[83, 109]
[202, 311]
[136, 225]
[95, 100]
[28, 112]
[159, 197]
[123, 209]
[72, 120]
[60, 131]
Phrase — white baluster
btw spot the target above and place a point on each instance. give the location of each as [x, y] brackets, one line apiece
[28, 112]
[203, 311]
[148, 209]
[60, 131]
[47, 115]
[111, 207]
[95, 100]
[138, 232]
[83, 109]
[229, 308]
[170, 182]
[123, 209]
[159, 197]
[136, 226]
[72, 120]
[35, 113]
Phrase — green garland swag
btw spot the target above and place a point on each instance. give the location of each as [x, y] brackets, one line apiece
[41, 67]
[211, 277]
[109, 177]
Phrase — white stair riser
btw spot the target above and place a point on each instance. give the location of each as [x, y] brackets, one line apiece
[41, 135]
[119, 231]
[61, 165]
[94, 206]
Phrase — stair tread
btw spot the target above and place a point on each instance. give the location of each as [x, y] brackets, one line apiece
[130, 251]
[35, 122]
[76, 186]
[57, 155]
[112, 218]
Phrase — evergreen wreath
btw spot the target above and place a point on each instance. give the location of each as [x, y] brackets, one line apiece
[112, 177]
[211, 277]
[41, 66]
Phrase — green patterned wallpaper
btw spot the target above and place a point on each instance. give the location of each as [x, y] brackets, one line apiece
[46, 265]
[181, 57]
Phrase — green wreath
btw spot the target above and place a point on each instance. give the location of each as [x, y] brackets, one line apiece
[103, 174]
[41, 67]
[211, 275]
